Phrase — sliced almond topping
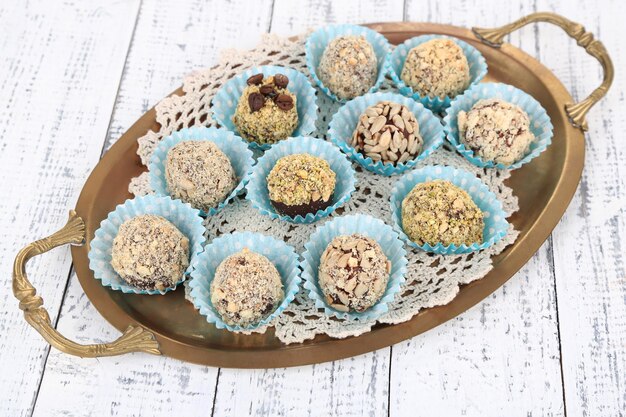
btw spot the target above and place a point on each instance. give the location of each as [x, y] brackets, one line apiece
[360, 289]
[378, 124]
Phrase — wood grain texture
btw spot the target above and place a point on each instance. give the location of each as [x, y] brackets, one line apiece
[61, 67]
[588, 244]
[167, 44]
[502, 356]
[352, 387]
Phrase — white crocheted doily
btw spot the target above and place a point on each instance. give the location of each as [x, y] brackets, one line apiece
[431, 280]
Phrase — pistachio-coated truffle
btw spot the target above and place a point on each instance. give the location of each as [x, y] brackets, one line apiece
[496, 131]
[266, 112]
[348, 66]
[353, 272]
[246, 288]
[436, 68]
[150, 253]
[301, 184]
[199, 173]
[440, 212]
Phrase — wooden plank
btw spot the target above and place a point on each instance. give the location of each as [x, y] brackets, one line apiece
[589, 244]
[352, 387]
[502, 356]
[168, 43]
[61, 67]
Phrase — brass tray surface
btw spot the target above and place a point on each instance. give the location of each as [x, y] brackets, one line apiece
[544, 188]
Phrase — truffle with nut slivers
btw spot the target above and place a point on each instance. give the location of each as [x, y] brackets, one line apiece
[388, 132]
[348, 66]
[299, 184]
[199, 173]
[266, 112]
[246, 288]
[496, 131]
[353, 273]
[440, 212]
[436, 68]
[150, 253]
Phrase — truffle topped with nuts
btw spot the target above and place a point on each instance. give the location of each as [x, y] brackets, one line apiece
[301, 183]
[246, 288]
[388, 132]
[436, 68]
[348, 66]
[353, 273]
[150, 253]
[199, 173]
[266, 112]
[440, 212]
[496, 130]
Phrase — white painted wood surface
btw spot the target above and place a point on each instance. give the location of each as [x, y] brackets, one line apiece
[550, 342]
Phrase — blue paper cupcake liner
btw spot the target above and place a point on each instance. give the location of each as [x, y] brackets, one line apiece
[344, 123]
[182, 215]
[233, 147]
[540, 124]
[257, 191]
[496, 226]
[225, 101]
[283, 256]
[346, 225]
[319, 40]
[477, 68]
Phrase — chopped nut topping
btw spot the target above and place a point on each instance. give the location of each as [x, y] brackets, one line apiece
[300, 179]
[150, 253]
[496, 131]
[353, 272]
[440, 212]
[436, 68]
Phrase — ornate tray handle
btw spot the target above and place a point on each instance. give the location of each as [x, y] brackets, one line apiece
[575, 111]
[134, 339]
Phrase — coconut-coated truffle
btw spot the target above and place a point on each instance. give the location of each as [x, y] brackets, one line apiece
[199, 173]
[266, 112]
[353, 272]
[496, 131]
[150, 253]
[388, 132]
[246, 288]
[440, 212]
[301, 183]
[436, 68]
[348, 66]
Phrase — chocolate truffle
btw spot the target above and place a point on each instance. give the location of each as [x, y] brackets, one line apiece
[150, 253]
[266, 112]
[353, 273]
[436, 68]
[199, 173]
[301, 183]
[246, 288]
[348, 66]
[388, 132]
[440, 212]
[496, 131]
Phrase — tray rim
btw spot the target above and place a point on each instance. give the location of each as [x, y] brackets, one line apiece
[469, 295]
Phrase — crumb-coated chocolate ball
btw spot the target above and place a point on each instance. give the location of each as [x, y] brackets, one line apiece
[436, 68]
[353, 273]
[246, 288]
[348, 66]
[199, 173]
[440, 212]
[388, 132]
[150, 253]
[301, 183]
[496, 131]
[266, 112]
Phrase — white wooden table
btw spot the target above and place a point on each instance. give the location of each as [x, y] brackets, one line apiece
[75, 74]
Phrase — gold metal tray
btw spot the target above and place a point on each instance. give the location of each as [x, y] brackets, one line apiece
[171, 326]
